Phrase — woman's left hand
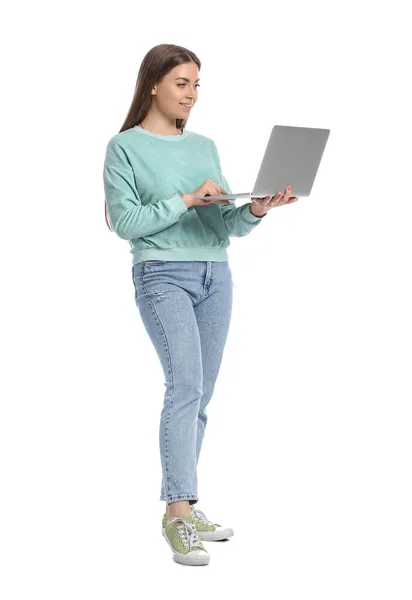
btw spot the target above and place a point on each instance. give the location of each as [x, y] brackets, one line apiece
[260, 206]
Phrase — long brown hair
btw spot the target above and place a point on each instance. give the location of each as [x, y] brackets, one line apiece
[156, 64]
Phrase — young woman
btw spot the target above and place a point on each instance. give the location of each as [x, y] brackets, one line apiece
[154, 167]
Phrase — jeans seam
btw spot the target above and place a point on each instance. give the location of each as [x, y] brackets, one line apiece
[171, 374]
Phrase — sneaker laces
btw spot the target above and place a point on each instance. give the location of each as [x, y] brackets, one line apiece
[200, 515]
[187, 532]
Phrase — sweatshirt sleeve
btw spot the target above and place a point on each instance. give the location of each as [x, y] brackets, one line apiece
[239, 221]
[129, 218]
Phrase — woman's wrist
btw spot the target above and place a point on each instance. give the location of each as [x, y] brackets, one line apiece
[187, 199]
[252, 213]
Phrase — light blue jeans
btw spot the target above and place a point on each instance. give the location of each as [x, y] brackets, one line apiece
[186, 308]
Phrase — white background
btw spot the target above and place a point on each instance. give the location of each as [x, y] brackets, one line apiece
[307, 452]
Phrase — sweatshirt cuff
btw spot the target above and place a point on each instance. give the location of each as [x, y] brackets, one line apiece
[178, 204]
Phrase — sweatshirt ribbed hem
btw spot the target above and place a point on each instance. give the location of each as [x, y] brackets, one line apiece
[186, 254]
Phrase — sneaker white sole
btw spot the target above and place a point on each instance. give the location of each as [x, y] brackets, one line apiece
[213, 536]
[193, 558]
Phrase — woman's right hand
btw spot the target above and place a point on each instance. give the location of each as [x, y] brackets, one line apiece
[208, 188]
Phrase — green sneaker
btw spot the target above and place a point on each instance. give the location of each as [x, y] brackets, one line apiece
[181, 535]
[207, 531]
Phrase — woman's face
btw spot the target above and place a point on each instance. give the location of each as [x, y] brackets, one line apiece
[178, 87]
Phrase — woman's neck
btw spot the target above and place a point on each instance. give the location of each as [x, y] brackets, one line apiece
[180, 131]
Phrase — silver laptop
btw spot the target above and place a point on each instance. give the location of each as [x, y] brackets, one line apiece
[292, 157]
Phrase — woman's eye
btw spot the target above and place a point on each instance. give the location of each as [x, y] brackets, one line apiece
[179, 84]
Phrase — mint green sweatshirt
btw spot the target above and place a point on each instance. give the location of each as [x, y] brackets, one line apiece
[145, 176]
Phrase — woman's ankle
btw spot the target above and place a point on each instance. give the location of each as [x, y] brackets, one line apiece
[180, 508]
